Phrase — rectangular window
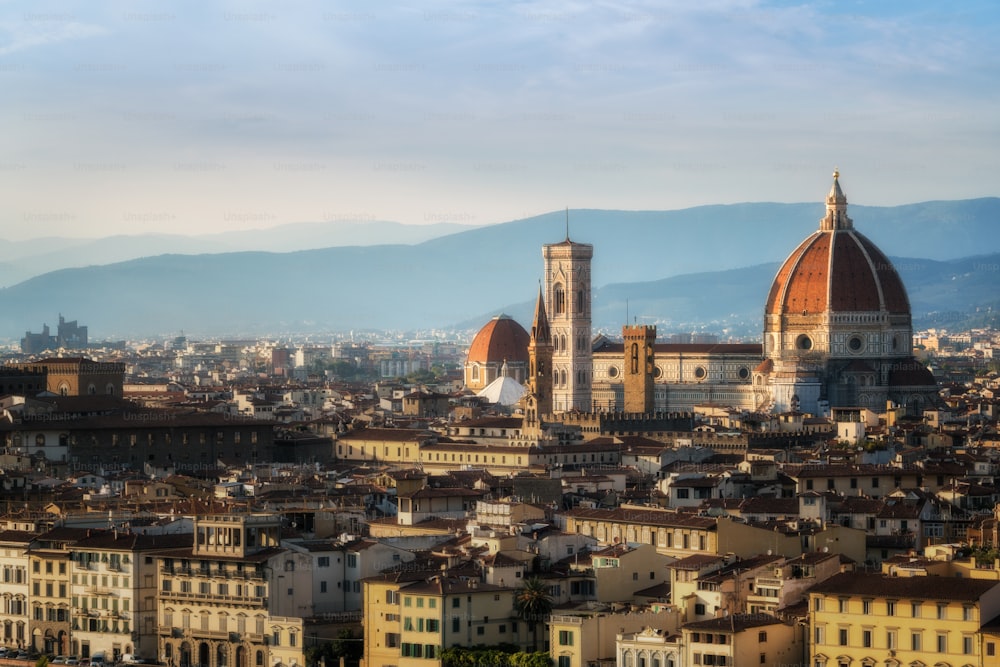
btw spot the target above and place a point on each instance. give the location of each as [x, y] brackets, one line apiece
[456, 624]
[890, 607]
[942, 643]
[915, 609]
[842, 606]
[967, 646]
[433, 625]
[842, 636]
[890, 639]
[915, 641]
[941, 612]
[323, 561]
[866, 638]
[565, 638]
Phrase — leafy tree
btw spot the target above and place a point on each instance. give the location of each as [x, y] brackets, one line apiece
[503, 655]
[532, 604]
[346, 645]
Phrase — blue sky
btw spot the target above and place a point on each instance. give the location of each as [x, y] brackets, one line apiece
[195, 117]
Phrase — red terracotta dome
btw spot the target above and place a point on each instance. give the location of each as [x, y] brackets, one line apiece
[502, 339]
[837, 269]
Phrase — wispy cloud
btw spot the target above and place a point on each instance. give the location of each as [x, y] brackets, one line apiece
[36, 29]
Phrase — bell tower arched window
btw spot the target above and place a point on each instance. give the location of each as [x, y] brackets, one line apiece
[559, 297]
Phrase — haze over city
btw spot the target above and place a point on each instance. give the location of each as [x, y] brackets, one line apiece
[187, 117]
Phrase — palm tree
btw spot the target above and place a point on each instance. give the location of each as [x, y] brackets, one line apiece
[533, 604]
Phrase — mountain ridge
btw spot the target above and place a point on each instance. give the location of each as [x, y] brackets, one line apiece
[444, 281]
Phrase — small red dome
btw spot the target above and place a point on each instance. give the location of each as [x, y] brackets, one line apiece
[502, 339]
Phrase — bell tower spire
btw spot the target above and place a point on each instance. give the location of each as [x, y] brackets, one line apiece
[538, 398]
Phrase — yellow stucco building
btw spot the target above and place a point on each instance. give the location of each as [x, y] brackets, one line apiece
[863, 620]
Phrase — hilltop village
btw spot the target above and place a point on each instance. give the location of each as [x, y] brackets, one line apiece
[543, 495]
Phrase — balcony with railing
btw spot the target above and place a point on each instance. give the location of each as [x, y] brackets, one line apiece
[563, 619]
[213, 598]
[213, 573]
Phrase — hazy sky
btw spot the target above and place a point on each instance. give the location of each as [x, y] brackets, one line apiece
[150, 116]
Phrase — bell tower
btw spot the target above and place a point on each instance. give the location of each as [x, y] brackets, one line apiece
[567, 292]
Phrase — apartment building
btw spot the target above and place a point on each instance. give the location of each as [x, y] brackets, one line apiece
[49, 563]
[868, 619]
[410, 616]
[579, 638]
[217, 598]
[113, 592]
[335, 569]
[14, 588]
[739, 640]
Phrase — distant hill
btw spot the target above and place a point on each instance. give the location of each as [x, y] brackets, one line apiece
[20, 260]
[704, 267]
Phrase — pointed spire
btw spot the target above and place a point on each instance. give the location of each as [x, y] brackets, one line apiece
[836, 208]
[567, 223]
[540, 333]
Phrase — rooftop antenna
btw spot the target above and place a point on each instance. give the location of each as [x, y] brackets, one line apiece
[626, 310]
[567, 223]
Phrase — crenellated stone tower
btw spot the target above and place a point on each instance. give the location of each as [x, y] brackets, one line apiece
[638, 367]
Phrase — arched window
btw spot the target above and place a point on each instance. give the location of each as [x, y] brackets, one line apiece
[559, 299]
[634, 358]
[579, 301]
